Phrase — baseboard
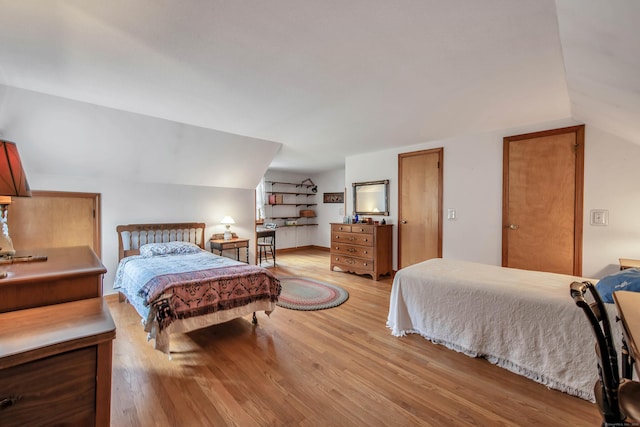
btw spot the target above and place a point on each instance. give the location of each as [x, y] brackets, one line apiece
[300, 248]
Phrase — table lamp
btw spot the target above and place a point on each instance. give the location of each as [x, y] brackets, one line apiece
[13, 183]
[227, 221]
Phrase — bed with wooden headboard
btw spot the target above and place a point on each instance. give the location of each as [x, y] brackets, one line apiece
[177, 286]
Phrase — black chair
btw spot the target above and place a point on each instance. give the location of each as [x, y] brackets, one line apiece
[266, 247]
[610, 391]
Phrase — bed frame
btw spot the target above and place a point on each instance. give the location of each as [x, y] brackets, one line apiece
[132, 236]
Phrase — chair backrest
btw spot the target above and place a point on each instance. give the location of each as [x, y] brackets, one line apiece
[609, 377]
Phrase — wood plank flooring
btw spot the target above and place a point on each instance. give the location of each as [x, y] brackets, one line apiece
[336, 367]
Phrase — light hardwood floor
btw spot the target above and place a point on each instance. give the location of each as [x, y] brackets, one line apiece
[336, 367]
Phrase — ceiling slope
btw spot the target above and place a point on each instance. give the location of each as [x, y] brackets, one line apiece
[326, 79]
[601, 43]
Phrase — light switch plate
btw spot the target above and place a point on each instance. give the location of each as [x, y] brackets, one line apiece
[599, 217]
[451, 214]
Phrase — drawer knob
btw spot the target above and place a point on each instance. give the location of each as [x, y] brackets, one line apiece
[8, 401]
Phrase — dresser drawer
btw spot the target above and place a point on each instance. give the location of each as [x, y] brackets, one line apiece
[349, 263]
[368, 229]
[352, 238]
[351, 250]
[345, 228]
[57, 390]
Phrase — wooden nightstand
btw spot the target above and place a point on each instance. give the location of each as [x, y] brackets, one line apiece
[236, 243]
[629, 263]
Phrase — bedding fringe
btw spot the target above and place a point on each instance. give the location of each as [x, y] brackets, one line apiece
[503, 363]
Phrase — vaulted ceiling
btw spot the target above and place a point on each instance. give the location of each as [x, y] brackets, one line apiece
[333, 78]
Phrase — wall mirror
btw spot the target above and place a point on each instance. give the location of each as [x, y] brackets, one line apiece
[371, 198]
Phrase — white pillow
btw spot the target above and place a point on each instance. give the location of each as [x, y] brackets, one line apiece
[168, 248]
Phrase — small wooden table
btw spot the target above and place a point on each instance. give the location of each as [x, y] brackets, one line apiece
[236, 243]
[629, 263]
[628, 305]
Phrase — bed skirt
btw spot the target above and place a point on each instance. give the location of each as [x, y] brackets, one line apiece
[524, 321]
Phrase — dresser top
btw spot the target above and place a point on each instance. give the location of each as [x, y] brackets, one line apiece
[60, 263]
[39, 332]
[363, 224]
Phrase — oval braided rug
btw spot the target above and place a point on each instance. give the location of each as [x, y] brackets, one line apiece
[302, 293]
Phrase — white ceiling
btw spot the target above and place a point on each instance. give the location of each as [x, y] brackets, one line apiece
[335, 77]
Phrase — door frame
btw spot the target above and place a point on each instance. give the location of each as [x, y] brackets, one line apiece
[579, 191]
[440, 152]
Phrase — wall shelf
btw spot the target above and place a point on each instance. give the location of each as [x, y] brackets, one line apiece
[286, 200]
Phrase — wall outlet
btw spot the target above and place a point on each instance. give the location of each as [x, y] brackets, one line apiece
[599, 217]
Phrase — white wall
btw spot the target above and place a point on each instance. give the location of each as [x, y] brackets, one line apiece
[328, 182]
[147, 170]
[612, 182]
[473, 186]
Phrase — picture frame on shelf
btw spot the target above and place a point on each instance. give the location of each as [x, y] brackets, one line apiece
[333, 197]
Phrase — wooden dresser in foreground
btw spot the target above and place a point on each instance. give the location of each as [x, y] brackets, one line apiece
[56, 337]
[55, 365]
[68, 274]
[362, 248]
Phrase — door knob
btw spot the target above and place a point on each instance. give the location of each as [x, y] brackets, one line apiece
[513, 226]
[403, 222]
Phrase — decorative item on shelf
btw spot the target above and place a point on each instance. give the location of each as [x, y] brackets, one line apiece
[13, 183]
[227, 221]
[291, 222]
[314, 188]
[307, 213]
[276, 199]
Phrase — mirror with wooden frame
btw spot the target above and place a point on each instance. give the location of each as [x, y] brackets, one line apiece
[371, 198]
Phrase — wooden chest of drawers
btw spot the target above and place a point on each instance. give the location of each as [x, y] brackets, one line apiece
[55, 365]
[68, 274]
[362, 248]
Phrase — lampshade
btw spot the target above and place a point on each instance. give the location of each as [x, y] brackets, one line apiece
[227, 220]
[13, 181]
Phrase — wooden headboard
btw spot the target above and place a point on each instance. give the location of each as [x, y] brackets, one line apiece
[132, 236]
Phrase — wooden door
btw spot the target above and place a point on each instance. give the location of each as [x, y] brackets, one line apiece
[542, 201]
[52, 219]
[420, 206]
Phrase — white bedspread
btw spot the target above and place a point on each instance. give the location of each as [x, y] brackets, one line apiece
[524, 321]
